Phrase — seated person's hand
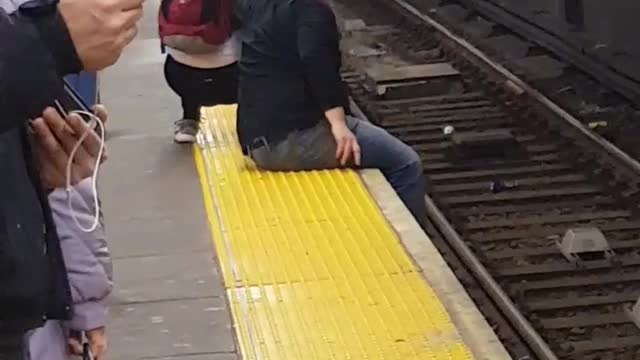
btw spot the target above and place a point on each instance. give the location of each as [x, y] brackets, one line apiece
[55, 138]
[347, 147]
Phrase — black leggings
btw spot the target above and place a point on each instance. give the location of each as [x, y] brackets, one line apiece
[201, 87]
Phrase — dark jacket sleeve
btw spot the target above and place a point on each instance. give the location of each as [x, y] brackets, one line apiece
[319, 51]
[35, 51]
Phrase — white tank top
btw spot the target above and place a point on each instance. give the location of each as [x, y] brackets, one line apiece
[226, 54]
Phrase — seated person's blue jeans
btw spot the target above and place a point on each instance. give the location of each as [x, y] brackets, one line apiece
[315, 148]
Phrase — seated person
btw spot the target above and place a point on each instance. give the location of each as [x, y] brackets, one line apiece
[292, 102]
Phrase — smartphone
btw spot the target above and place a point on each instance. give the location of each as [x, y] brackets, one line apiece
[71, 101]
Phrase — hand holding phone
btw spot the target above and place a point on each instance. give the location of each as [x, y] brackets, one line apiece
[91, 345]
[55, 137]
[78, 345]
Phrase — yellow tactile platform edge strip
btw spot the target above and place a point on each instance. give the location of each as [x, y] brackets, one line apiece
[311, 266]
[476, 332]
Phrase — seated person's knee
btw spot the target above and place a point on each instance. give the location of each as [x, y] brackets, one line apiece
[415, 162]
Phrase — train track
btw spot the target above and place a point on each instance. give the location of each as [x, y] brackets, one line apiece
[598, 61]
[589, 89]
[509, 176]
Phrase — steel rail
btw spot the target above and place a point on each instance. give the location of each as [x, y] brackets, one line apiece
[615, 77]
[488, 283]
[518, 85]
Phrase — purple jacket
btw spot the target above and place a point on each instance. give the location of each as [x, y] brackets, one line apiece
[89, 269]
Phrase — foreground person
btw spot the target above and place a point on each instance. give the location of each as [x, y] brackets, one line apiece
[89, 271]
[40, 42]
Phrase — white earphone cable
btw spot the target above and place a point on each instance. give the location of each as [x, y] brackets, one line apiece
[95, 120]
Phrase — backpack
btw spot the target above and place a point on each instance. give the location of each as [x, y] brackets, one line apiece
[194, 26]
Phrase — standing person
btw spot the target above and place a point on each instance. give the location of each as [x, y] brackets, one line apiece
[89, 269]
[40, 42]
[201, 58]
[292, 103]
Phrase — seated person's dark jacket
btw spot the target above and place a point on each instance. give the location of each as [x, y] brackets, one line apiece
[289, 71]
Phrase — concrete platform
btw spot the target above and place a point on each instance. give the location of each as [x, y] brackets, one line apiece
[168, 302]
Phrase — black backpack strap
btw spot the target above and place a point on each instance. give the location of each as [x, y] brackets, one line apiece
[164, 7]
[236, 23]
[164, 10]
[210, 11]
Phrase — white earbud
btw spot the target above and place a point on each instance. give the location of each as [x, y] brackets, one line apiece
[95, 121]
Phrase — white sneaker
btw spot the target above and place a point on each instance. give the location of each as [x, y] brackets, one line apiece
[186, 131]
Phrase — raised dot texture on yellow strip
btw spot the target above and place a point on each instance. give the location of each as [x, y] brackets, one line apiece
[312, 268]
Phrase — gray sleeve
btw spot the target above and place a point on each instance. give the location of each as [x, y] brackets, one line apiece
[10, 6]
[86, 256]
